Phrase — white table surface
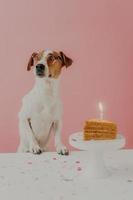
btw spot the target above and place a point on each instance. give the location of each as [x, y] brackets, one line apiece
[54, 177]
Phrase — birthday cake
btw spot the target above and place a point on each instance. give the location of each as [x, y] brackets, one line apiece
[96, 129]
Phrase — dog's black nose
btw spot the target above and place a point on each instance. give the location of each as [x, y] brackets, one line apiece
[40, 67]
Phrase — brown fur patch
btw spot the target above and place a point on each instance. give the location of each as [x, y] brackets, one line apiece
[66, 61]
[35, 57]
[31, 61]
[55, 64]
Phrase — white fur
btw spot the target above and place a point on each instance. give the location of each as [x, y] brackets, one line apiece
[43, 107]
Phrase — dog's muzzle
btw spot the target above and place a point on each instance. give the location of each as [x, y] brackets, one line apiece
[40, 70]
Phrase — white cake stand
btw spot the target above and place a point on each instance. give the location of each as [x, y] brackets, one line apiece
[96, 148]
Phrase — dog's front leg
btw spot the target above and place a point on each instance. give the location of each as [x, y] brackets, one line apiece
[34, 146]
[60, 147]
[26, 129]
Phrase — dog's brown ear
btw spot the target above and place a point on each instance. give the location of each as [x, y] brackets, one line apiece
[31, 61]
[65, 60]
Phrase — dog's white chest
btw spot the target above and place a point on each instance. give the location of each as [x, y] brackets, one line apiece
[48, 110]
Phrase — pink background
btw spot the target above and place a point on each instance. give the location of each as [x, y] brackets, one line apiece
[97, 34]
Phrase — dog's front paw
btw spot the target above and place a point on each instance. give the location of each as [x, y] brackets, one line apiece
[34, 148]
[61, 149]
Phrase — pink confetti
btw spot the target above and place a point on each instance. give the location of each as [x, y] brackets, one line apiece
[29, 163]
[79, 168]
[54, 158]
[77, 161]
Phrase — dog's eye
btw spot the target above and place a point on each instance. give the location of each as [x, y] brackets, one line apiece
[51, 58]
[59, 58]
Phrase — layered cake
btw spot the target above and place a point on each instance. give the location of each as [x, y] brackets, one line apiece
[96, 129]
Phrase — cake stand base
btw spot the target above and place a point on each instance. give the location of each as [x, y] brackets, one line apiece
[95, 167]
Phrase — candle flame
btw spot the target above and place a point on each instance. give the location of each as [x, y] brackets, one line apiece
[100, 105]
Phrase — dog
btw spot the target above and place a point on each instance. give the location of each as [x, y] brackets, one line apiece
[41, 111]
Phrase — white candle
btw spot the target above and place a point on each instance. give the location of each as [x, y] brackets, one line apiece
[101, 109]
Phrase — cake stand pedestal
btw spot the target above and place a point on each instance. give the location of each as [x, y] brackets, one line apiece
[96, 148]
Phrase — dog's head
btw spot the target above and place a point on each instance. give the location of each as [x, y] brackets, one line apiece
[48, 63]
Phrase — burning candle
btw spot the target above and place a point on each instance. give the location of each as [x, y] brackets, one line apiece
[101, 109]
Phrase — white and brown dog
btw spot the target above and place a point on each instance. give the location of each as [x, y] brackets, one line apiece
[41, 110]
